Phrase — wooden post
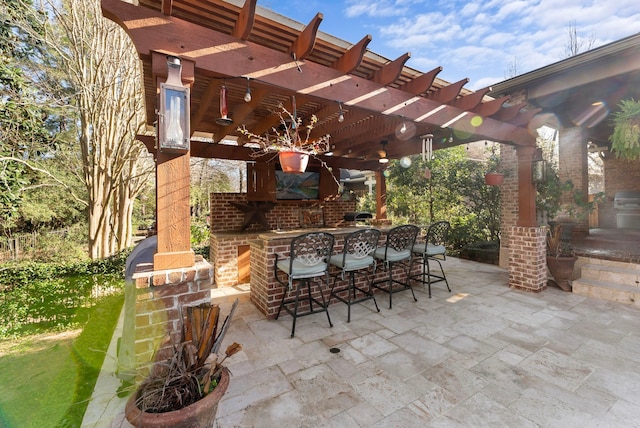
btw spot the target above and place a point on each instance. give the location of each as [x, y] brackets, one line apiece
[173, 211]
[526, 187]
[381, 196]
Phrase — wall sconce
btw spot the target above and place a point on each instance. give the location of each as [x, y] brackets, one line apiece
[174, 117]
[538, 167]
[383, 155]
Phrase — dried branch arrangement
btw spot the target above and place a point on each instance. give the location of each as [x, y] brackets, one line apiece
[195, 367]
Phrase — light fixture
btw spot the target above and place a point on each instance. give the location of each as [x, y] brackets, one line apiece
[383, 155]
[403, 128]
[247, 95]
[224, 111]
[538, 167]
[341, 113]
[173, 114]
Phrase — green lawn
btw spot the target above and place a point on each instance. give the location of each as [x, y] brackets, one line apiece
[47, 380]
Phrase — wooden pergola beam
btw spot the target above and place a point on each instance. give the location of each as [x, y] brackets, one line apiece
[226, 55]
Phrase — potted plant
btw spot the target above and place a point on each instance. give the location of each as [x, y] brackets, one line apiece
[494, 175]
[625, 140]
[292, 145]
[185, 389]
[560, 258]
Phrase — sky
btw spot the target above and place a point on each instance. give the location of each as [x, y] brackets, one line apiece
[484, 41]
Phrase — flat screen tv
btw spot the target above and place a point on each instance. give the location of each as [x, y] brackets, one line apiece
[303, 186]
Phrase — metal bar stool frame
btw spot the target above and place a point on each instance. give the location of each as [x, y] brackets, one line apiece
[434, 248]
[397, 251]
[308, 260]
[356, 257]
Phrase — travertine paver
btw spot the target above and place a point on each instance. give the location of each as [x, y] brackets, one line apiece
[481, 356]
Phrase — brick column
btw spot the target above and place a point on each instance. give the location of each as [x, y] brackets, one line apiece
[159, 296]
[527, 258]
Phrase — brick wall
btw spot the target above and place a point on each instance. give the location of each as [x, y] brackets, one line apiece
[527, 258]
[572, 165]
[283, 215]
[159, 297]
[618, 175]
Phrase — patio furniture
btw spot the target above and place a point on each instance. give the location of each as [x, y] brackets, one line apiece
[308, 259]
[397, 252]
[433, 248]
[356, 257]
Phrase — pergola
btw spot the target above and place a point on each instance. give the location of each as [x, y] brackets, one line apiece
[239, 45]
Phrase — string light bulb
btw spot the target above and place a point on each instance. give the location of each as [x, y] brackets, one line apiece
[247, 95]
[341, 114]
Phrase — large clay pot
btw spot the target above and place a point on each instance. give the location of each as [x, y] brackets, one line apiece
[200, 414]
[561, 269]
[293, 162]
[493, 179]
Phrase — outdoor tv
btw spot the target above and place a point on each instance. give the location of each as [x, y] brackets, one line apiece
[305, 186]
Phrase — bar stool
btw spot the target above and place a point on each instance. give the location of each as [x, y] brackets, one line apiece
[434, 248]
[308, 259]
[356, 257]
[397, 251]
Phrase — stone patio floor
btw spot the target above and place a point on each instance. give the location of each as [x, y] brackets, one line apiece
[483, 355]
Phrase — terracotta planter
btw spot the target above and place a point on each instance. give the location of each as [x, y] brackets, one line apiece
[200, 414]
[293, 162]
[493, 179]
[561, 269]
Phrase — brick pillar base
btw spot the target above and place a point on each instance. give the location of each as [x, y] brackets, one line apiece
[527, 258]
[159, 295]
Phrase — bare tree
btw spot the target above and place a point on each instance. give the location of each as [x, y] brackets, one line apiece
[575, 43]
[98, 62]
[512, 71]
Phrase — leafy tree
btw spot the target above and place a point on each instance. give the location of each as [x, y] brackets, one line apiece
[456, 192]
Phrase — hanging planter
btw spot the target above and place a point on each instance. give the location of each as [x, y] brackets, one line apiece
[493, 179]
[625, 140]
[293, 162]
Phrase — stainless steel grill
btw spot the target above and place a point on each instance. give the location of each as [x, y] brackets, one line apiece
[627, 206]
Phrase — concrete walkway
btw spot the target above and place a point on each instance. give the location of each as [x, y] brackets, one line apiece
[483, 355]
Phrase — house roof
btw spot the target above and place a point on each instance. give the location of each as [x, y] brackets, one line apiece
[239, 44]
[582, 90]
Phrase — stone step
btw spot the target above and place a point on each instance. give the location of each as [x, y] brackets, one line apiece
[607, 290]
[619, 273]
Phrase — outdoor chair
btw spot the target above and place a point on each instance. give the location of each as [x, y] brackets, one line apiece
[397, 252]
[356, 257]
[308, 260]
[434, 249]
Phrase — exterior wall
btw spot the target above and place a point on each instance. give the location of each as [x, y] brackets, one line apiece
[572, 152]
[618, 175]
[527, 258]
[158, 299]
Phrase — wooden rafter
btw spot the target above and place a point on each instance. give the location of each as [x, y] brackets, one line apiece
[352, 58]
[489, 108]
[422, 83]
[303, 45]
[244, 24]
[390, 72]
[448, 93]
[471, 101]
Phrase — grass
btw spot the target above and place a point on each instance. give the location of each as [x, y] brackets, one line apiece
[47, 380]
